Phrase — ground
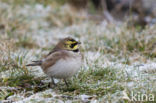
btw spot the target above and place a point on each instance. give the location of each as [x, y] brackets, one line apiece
[118, 59]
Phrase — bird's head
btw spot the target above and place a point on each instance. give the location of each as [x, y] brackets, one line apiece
[68, 44]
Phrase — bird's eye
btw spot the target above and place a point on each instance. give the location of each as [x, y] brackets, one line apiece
[72, 45]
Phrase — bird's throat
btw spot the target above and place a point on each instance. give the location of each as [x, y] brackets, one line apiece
[76, 50]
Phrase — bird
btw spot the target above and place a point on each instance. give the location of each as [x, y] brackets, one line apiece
[63, 61]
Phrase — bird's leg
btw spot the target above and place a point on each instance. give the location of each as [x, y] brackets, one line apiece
[52, 81]
[66, 83]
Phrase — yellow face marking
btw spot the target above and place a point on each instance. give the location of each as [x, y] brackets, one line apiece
[75, 47]
[70, 42]
[71, 45]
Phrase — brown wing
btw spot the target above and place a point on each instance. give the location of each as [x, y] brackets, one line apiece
[52, 58]
[58, 47]
[51, 52]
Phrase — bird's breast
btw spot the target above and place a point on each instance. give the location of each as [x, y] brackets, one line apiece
[65, 68]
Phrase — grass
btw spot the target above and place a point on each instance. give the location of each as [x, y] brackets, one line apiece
[88, 82]
[26, 42]
[91, 82]
[32, 2]
[112, 54]
[127, 41]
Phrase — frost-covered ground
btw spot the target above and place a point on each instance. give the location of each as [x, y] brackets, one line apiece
[118, 60]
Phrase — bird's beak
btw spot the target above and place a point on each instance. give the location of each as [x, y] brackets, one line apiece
[78, 42]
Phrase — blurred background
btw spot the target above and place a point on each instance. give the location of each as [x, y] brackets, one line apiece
[135, 12]
[138, 12]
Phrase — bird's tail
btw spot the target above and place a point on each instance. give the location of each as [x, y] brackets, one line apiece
[35, 63]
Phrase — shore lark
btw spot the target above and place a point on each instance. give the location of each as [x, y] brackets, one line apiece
[63, 61]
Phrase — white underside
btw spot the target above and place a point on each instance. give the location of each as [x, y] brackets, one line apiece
[64, 68]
